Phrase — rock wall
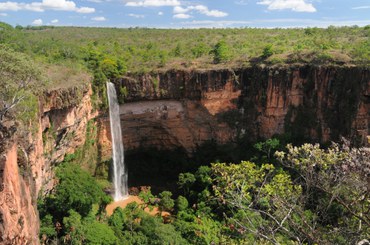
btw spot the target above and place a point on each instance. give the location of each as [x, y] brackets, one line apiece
[27, 158]
[178, 109]
[62, 130]
[18, 215]
[186, 108]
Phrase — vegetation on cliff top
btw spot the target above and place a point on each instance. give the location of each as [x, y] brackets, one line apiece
[141, 49]
[110, 53]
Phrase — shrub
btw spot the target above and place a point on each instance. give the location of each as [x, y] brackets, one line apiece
[221, 52]
[268, 51]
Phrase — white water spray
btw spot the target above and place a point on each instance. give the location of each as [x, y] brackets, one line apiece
[119, 170]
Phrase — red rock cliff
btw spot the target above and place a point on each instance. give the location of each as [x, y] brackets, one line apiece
[27, 159]
[186, 108]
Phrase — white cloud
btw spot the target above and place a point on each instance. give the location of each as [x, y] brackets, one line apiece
[59, 5]
[200, 9]
[362, 7]
[3, 14]
[99, 18]
[213, 13]
[160, 13]
[12, 6]
[37, 22]
[294, 5]
[182, 16]
[54, 21]
[153, 3]
[85, 10]
[138, 16]
[180, 10]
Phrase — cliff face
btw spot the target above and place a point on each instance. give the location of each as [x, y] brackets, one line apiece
[27, 159]
[186, 108]
[62, 130]
[174, 109]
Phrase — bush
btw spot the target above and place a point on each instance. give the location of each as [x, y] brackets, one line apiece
[76, 190]
[268, 51]
[221, 52]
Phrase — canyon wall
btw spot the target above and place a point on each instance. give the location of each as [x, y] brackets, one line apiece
[177, 108]
[28, 156]
[187, 108]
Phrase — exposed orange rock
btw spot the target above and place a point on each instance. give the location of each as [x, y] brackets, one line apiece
[183, 109]
[123, 203]
[19, 218]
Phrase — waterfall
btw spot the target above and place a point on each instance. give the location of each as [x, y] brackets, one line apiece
[119, 170]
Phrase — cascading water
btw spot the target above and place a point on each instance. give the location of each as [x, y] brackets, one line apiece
[119, 170]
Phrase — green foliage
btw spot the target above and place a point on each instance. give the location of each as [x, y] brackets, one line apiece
[76, 190]
[166, 203]
[47, 228]
[19, 84]
[268, 51]
[334, 177]
[268, 146]
[148, 49]
[87, 231]
[257, 197]
[181, 203]
[186, 180]
[98, 233]
[200, 50]
[221, 52]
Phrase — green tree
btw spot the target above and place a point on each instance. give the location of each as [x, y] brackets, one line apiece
[268, 147]
[47, 229]
[335, 187]
[96, 233]
[166, 203]
[181, 203]
[262, 201]
[200, 49]
[186, 180]
[268, 51]
[76, 190]
[18, 80]
[221, 52]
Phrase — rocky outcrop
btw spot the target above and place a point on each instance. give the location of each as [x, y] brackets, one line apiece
[18, 215]
[178, 108]
[62, 130]
[27, 158]
[186, 108]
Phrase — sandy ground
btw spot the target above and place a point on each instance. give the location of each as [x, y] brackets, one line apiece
[123, 203]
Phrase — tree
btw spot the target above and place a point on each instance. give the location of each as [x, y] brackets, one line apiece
[268, 51]
[221, 52]
[76, 190]
[261, 200]
[166, 203]
[268, 147]
[186, 180]
[47, 229]
[181, 203]
[336, 184]
[18, 77]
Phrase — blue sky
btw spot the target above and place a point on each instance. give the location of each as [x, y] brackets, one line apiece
[186, 14]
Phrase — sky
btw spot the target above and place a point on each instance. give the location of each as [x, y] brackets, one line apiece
[186, 14]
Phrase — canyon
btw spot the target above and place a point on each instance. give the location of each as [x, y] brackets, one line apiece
[177, 109]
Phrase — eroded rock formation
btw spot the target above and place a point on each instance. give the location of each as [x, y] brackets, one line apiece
[174, 109]
[27, 158]
[186, 108]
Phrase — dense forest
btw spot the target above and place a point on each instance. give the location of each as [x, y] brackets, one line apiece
[279, 193]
